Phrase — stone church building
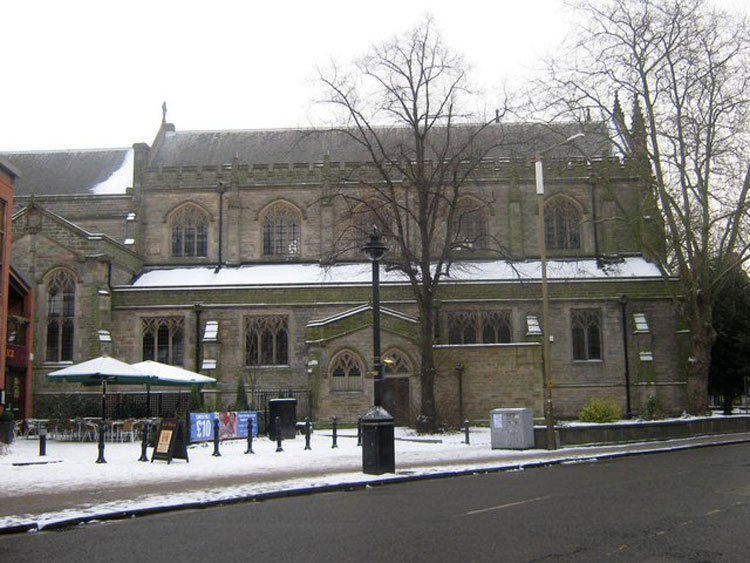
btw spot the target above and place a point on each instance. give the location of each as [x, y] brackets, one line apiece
[212, 250]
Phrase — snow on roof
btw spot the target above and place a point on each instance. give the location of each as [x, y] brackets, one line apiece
[361, 273]
[120, 180]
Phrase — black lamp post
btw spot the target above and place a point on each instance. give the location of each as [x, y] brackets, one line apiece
[378, 450]
[375, 250]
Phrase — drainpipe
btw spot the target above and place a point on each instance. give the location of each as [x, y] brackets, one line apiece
[221, 189]
[594, 222]
[623, 306]
[198, 308]
[459, 367]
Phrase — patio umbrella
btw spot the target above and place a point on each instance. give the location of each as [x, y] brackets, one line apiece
[173, 376]
[101, 370]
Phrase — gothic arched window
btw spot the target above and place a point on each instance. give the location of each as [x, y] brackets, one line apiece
[61, 299]
[586, 329]
[189, 227]
[479, 327]
[163, 340]
[397, 363]
[470, 224]
[281, 230]
[562, 224]
[267, 341]
[346, 372]
[365, 217]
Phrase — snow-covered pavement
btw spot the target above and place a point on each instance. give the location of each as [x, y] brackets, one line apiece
[67, 483]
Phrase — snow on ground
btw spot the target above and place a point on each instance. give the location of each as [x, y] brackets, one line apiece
[71, 467]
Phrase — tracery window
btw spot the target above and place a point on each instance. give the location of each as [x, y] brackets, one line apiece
[163, 340]
[586, 334]
[366, 216]
[267, 341]
[281, 230]
[189, 226]
[562, 224]
[473, 327]
[470, 223]
[397, 363]
[61, 298]
[346, 372]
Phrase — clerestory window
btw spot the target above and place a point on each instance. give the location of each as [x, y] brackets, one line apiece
[189, 227]
[562, 224]
[281, 230]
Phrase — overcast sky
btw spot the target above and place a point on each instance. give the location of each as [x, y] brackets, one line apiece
[93, 74]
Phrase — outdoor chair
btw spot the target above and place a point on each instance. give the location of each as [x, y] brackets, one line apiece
[127, 431]
[88, 431]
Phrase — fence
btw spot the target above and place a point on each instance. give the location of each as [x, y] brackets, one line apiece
[258, 399]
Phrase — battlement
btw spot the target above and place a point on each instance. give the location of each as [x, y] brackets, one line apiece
[333, 172]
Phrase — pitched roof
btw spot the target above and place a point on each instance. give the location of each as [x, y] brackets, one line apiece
[216, 148]
[70, 172]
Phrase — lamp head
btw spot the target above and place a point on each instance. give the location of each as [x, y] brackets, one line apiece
[374, 249]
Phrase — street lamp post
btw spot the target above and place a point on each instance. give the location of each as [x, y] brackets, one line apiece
[549, 418]
[375, 250]
[378, 449]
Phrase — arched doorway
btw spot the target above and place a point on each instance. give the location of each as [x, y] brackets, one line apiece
[395, 391]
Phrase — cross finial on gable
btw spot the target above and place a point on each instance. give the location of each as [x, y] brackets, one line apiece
[164, 112]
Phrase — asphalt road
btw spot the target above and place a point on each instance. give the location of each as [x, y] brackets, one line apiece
[692, 505]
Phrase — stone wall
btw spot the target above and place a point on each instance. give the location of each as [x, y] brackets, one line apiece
[493, 376]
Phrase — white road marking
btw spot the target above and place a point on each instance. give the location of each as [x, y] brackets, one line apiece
[500, 507]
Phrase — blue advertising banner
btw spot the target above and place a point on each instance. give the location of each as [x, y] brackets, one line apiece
[231, 425]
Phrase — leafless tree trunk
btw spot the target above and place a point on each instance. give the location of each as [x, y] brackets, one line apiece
[404, 105]
[685, 68]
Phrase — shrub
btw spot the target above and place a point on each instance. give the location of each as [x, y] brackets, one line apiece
[652, 409]
[6, 416]
[601, 411]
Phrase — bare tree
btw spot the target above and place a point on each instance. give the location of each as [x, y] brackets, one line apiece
[684, 67]
[404, 107]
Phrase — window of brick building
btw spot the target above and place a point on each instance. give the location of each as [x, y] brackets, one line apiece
[346, 372]
[61, 298]
[586, 334]
[562, 224]
[189, 226]
[475, 327]
[163, 340]
[267, 341]
[281, 230]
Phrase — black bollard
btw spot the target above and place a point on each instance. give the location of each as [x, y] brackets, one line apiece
[249, 449]
[101, 459]
[466, 431]
[359, 430]
[144, 442]
[307, 434]
[335, 427]
[277, 428]
[42, 441]
[216, 438]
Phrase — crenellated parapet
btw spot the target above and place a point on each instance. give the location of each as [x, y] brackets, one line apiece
[320, 172]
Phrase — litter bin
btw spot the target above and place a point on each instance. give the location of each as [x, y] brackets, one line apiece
[512, 429]
[378, 449]
[286, 410]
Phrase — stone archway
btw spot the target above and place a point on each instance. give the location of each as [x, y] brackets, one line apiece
[396, 391]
